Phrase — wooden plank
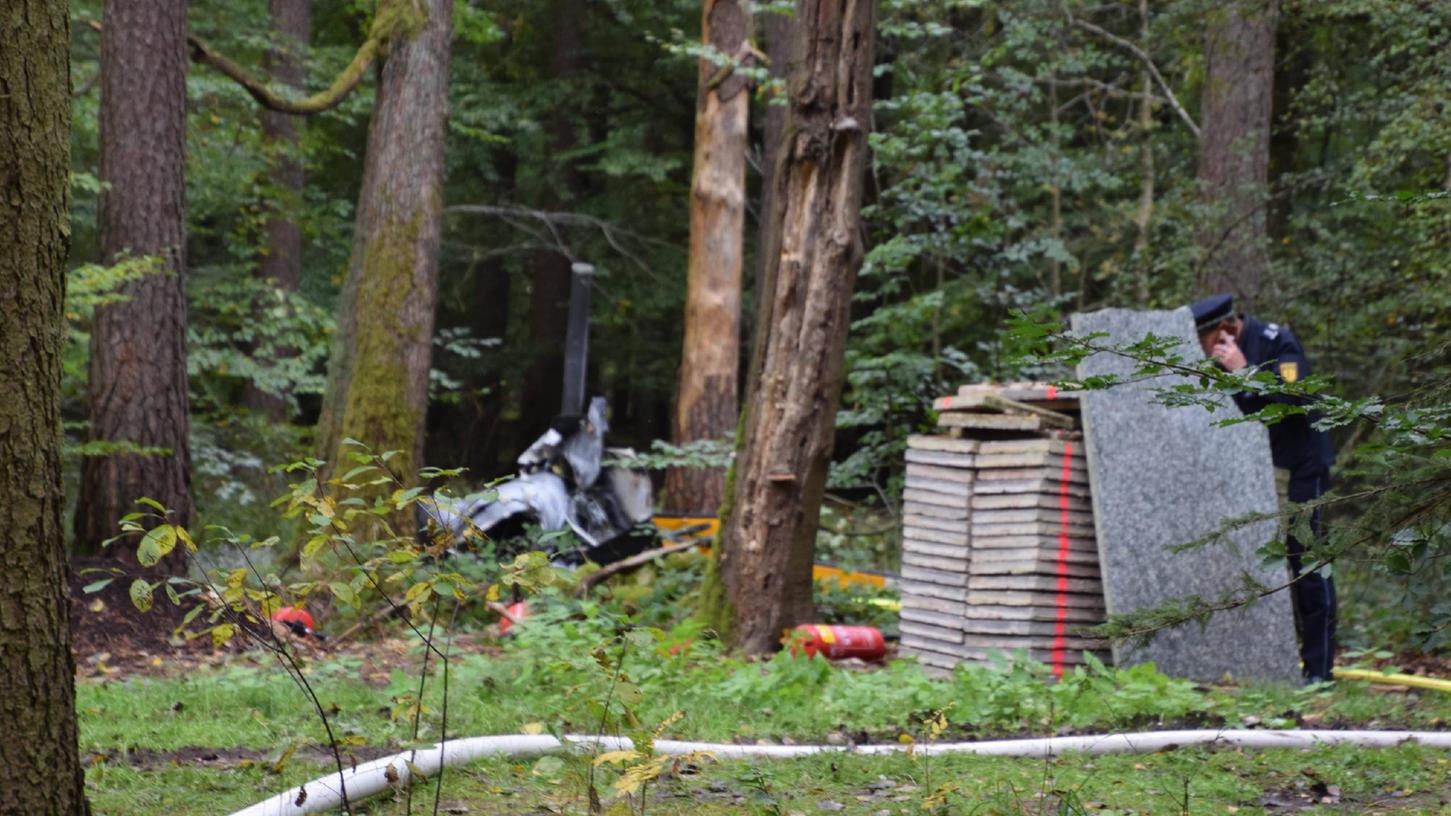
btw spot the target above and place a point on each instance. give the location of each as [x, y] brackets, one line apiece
[1048, 501]
[937, 579]
[924, 442]
[1033, 392]
[923, 561]
[938, 511]
[914, 587]
[1041, 484]
[1034, 583]
[943, 474]
[939, 458]
[987, 401]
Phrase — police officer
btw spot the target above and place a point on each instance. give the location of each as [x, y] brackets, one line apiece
[1240, 341]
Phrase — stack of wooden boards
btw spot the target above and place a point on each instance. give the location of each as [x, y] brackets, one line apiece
[998, 548]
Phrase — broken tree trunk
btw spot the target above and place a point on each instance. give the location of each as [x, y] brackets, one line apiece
[761, 584]
[705, 396]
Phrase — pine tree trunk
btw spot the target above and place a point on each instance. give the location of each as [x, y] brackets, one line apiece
[705, 396]
[138, 384]
[762, 582]
[378, 379]
[40, 769]
[281, 261]
[1234, 150]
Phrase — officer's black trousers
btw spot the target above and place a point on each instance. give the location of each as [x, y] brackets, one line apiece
[1313, 594]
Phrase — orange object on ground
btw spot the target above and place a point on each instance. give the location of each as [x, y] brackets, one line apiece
[518, 610]
[298, 620]
[840, 642]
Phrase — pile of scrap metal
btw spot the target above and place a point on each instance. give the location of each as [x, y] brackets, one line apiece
[563, 483]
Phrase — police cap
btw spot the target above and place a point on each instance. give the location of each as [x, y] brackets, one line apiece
[1211, 310]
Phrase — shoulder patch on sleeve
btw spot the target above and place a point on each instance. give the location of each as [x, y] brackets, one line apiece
[1272, 330]
[1289, 371]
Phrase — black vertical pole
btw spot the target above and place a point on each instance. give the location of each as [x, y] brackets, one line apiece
[576, 339]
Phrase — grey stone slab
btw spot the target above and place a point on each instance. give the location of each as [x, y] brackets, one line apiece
[1035, 583]
[995, 422]
[1163, 476]
[937, 548]
[1045, 473]
[956, 489]
[1044, 542]
[913, 521]
[1031, 459]
[1052, 486]
[939, 458]
[914, 599]
[1050, 600]
[935, 618]
[1032, 528]
[933, 578]
[1025, 514]
[1082, 558]
[941, 443]
[1074, 615]
[957, 537]
[927, 630]
[1034, 566]
[1020, 500]
[940, 511]
[961, 476]
[951, 563]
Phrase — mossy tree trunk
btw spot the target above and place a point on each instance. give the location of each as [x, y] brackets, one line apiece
[378, 378]
[281, 262]
[1234, 145]
[40, 768]
[762, 582]
[138, 385]
[705, 394]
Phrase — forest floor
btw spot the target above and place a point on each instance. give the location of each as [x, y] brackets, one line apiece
[175, 726]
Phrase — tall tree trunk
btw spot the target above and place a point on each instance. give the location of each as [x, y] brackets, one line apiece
[1234, 149]
[138, 385]
[378, 379]
[281, 261]
[543, 391]
[40, 768]
[705, 395]
[761, 583]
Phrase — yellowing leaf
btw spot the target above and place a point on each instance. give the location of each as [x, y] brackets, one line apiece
[612, 757]
[156, 545]
[533, 728]
[141, 594]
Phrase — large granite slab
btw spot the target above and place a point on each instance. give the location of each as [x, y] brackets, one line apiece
[1163, 476]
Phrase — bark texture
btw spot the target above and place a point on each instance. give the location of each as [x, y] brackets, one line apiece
[378, 378]
[40, 769]
[705, 395]
[281, 261]
[138, 386]
[1234, 146]
[761, 584]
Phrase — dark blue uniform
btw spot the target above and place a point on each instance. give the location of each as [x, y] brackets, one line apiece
[1297, 446]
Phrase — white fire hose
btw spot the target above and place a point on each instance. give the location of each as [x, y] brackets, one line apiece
[371, 778]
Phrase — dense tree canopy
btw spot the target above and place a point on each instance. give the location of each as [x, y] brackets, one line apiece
[1022, 155]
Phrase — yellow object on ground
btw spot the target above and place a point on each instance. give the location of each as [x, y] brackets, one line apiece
[1410, 680]
[710, 527]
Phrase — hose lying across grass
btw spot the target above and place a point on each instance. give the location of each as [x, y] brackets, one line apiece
[324, 793]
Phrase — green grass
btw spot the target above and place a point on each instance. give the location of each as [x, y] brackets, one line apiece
[561, 674]
[1407, 779]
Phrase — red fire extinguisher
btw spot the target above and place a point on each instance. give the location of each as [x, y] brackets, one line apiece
[840, 642]
[518, 611]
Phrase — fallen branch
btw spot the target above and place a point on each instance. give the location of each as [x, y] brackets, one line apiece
[590, 581]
